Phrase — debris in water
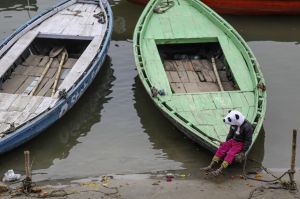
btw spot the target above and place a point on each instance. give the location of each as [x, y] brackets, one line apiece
[10, 176]
[169, 177]
[258, 176]
[3, 187]
[156, 183]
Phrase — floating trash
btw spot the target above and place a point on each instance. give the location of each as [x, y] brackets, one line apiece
[169, 177]
[11, 176]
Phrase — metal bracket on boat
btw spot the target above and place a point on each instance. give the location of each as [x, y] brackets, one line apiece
[262, 86]
[62, 94]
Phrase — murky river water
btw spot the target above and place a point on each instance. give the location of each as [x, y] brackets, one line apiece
[115, 128]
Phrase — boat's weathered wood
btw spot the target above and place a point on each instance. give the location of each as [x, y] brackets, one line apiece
[31, 86]
[23, 87]
[82, 63]
[6, 100]
[69, 63]
[193, 77]
[169, 76]
[183, 76]
[216, 74]
[33, 24]
[64, 73]
[29, 109]
[197, 65]
[16, 50]
[191, 87]
[80, 25]
[22, 107]
[58, 73]
[208, 70]
[20, 70]
[34, 71]
[19, 103]
[169, 66]
[228, 86]
[175, 77]
[44, 105]
[46, 87]
[77, 20]
[223, 76]
[196, 104]
[13, 84]
[44, 61]
[42, 76]
[32, 60]
[10, 117]
[42, 84]
[178, 87]
[201, 77]
[187, 65]
[179, 65]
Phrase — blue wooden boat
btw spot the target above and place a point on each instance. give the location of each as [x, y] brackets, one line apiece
[47, 64]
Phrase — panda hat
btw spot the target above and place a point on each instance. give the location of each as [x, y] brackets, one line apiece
[234, 117]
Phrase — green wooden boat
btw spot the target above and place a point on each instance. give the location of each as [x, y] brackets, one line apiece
[196, 68]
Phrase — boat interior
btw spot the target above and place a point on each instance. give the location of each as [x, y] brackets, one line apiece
[49, 56]
[190, 67]
[29, 67]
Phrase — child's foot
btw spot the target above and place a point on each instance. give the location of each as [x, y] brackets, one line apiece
[217, 172]
[206, 169]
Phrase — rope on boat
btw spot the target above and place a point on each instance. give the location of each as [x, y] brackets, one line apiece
[100, 16]
[163, 7]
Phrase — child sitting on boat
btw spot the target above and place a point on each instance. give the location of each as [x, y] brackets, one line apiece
[238, 141]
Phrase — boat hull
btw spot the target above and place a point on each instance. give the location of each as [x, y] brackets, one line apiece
[45, 120]
[198, 113]
[254, 7]
[249, 7]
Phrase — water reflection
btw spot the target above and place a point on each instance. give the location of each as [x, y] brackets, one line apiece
[57, 141]
[18, 5]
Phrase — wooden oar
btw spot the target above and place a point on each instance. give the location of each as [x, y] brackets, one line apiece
[58, 72]
[53, 53]
[217, 74]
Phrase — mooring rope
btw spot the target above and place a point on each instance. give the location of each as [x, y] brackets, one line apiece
[287, 186]
[163, 7]
[263, 168]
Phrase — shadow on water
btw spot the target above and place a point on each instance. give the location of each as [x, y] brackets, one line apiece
[57, 141]
[164, 136]
[18, 5]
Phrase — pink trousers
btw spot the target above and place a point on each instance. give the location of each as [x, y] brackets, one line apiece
[229, 148]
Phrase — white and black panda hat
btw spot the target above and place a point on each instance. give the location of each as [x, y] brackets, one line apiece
[234, 117]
